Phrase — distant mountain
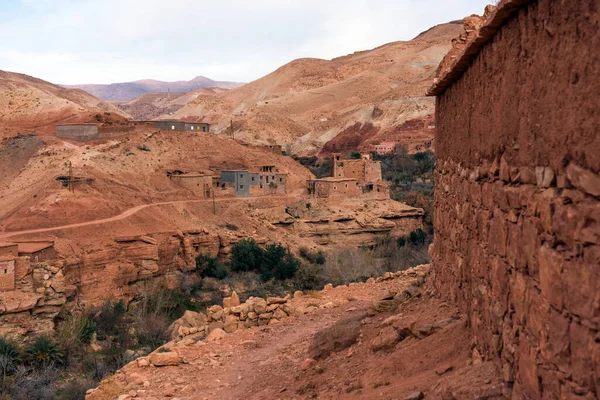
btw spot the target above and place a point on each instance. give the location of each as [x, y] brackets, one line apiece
[347, 103]
[126, 91]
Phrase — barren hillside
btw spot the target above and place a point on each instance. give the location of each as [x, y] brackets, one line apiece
[149, 106]
[309, 102]
[126, 91]
[29, 104]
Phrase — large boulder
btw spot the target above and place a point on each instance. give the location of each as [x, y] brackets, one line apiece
[339, 336]
[216, 334]
[164, 359]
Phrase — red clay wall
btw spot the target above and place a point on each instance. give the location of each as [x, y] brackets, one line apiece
[517, 216]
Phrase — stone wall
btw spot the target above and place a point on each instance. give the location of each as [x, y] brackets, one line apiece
[517, 215]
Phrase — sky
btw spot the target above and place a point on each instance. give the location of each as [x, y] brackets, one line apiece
[106, 41]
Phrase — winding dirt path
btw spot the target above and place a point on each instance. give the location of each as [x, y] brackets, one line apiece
[127, 213]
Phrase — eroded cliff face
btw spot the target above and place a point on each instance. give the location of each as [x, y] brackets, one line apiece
[517, 210]
[87, 272]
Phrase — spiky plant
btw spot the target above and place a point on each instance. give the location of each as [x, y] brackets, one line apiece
[43, 352]
[9, 356]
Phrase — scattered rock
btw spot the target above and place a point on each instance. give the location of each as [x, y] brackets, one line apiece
[164, 359]
[308, 363]
[584, 180]
[143, 362]
[386, 340]
[415, 396]
[298, 294]
[215, 335]
[327, 287]
[444, 369]
[339, 336]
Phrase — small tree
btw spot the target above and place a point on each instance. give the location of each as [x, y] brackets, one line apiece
[418, 237]
[355, 155]
[401, 241]
[43, 352]
[246, 255]
[210, 267]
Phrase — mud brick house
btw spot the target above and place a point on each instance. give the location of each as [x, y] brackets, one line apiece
[80, 132]
[37, 251]
[181, 126]
[385, 148]
[8, 254]
[329, 187]
[517, 190]
[258, 181]
[200, 184]
[270, 180]
[351, 178]
[364, 170]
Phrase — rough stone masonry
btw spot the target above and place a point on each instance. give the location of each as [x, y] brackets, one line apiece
[517, 216]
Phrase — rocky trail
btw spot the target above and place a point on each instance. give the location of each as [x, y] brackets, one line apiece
[348, 345]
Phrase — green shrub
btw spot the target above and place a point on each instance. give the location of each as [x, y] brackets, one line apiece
[246, 255]
[43, 352]
[9, 356]
[211, 267]
[277, 264]
[109, 319]
[401, 241]
[355, 155]
[418, 237]
[312, 256]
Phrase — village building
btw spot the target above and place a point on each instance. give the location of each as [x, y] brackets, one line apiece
[80, 132]
[199, 183]
[351, 178]
[385, 148]
[37, 251]
[181, 126]
[259, 180]
[8, 254]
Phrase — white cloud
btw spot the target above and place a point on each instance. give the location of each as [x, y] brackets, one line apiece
[101, 41]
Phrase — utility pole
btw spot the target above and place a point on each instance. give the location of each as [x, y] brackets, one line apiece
[71, 187]
[214, 203]
[232, 134]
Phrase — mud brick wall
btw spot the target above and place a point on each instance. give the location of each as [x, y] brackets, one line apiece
[517, 211]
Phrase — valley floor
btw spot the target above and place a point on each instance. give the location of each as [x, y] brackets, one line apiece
[269, 362]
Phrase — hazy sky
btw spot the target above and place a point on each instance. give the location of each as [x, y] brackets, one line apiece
[104, 41]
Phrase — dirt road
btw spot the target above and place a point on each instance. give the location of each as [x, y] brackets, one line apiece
[127, 213]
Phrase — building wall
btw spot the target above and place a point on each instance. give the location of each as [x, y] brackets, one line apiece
[81, 132]
[200, 185]
[169, 125]
[268, 183]
[342, 188]
[517, 188]
[240, 180]
[197, 127]
[363, 170]
[7, 274]
[42, 255]
[372, 171]
[9, 251]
